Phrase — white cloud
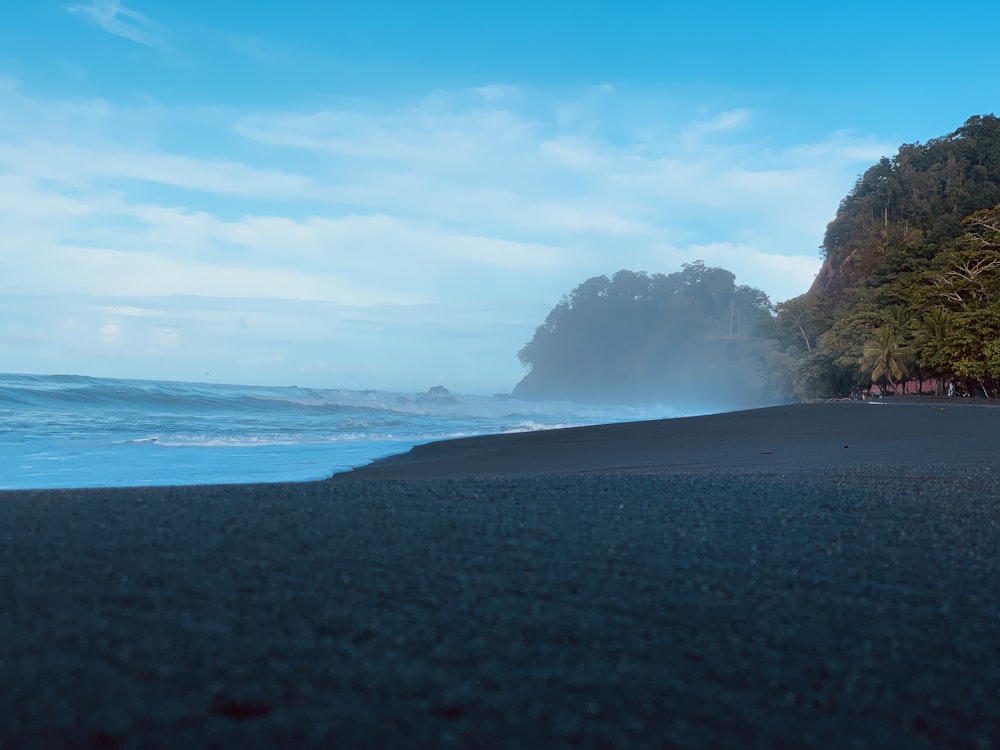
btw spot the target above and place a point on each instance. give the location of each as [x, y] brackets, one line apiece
[464, 214]
[785, 276]
[78, 166]
[111, 333]
[841, 148]
[514, 256]
[495, 91]
[436, 134]
[579, 156]
[164, 338]
[115, 18]
[733, 119]
[108, 272]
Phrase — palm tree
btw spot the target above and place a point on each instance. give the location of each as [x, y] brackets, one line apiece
[931, 332]
[885, 357]
[898, 319]
[901, 324]
[936, 322]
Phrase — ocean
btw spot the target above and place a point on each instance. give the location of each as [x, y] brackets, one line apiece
[76, 431]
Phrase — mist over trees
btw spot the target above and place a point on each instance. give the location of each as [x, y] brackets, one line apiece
[688, 337]
[908, 297]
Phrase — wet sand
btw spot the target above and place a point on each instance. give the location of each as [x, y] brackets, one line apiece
[820, 575]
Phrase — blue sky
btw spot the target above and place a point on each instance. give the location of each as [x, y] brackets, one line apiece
[395, 194]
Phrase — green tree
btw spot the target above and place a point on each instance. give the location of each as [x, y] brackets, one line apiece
[913, 248]
[970, 350]
[801, 320]
[885, 358]
[928, 354]
[819, 375]
[693, 335]
[904, 209]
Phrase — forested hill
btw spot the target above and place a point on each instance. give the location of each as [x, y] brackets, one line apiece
[904, 210]
[688, 338]
[909, 291]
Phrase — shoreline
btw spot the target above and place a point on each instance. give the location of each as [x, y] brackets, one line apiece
[821, 435]
[728, 580]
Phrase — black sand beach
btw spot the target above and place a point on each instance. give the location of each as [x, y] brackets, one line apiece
[821, 575]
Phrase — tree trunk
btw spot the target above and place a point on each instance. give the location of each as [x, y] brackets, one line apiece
[804, 337]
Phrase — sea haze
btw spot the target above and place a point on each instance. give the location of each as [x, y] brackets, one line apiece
[74, 431]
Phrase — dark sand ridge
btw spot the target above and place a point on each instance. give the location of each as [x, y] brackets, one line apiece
[727, 581]
[807, 436]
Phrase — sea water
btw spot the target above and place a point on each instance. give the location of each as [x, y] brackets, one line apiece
[74, 431]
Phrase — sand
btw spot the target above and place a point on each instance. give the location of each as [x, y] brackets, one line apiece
[808, 576]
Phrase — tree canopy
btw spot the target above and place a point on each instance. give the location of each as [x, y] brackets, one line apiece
[909, 292]
[694, 335]
[912, 270]
[903, 210]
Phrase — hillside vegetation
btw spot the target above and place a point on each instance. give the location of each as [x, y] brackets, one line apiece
[693, 336]
[910, 285]
[908, 297]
